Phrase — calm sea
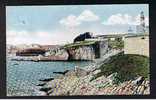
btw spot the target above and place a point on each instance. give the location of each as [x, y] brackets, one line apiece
[23, 76]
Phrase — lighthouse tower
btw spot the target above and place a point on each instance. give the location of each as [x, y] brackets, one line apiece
[141, 27]
[142, 21]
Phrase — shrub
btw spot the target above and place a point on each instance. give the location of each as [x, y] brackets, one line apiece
[116, 44]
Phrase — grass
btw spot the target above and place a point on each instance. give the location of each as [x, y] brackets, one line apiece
[128, 66]
[81, 43]
[116, 44]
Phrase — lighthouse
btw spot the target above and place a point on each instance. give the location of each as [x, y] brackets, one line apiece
[141, 27]
[142, 21]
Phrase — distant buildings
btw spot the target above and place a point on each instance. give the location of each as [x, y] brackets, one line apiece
[130, 31]
[141, 28]
[111, 36]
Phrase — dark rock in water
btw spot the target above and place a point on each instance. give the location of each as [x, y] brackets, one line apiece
[41, 84]
[15, 64]
[63, 73]
[46, 80]
[46, 89]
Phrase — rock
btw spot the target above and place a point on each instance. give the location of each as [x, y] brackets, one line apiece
[41, 84]
[138, 81]
[112, 78]
[80, 72]
[138, 90]
[100, 82]
[41, 93]
[96, 72]
[147, 84]
[87, 78]
[53, 83]
[56, 55]
[45, 89]
[30, 52]
[77, 82]
[147, 91]
[81, 53]
[63, 86]
[70, 73]
[46, 80]
[15, 64]
[63, 73]
[142, 90]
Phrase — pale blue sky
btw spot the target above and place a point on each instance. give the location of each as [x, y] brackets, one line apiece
[60, 24]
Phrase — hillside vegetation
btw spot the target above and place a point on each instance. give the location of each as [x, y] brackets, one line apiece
[80, 43]
[128, 66]
[116, 44]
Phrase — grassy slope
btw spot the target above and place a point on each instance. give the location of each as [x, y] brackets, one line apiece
[81, 43]
[116, 44]
[128, 66]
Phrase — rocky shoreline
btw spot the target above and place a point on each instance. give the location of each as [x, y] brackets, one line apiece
[78, 82]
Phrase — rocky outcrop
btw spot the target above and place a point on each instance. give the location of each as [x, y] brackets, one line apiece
[30, 52]
[126, 88]
[80, 50]
[81, 53]
[56, 54]
[74, 85]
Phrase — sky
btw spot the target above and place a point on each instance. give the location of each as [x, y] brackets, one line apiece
[62, 23]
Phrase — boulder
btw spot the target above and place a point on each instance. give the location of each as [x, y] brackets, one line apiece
[138, 81]
[46, 80]
[63, 73]
[96, 72]
[80, 72]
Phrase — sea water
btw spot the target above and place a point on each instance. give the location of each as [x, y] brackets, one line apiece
[23, 76]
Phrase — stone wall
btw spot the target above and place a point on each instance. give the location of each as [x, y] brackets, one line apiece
[137, 45]
[103, 47]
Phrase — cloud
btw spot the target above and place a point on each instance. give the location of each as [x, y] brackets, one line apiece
[39, 37]
[70, 21]
[147, 21]
[13, 33]
[124, 19]
[85, 16]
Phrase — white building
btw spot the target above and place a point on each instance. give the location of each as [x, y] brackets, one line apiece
[141, 29]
